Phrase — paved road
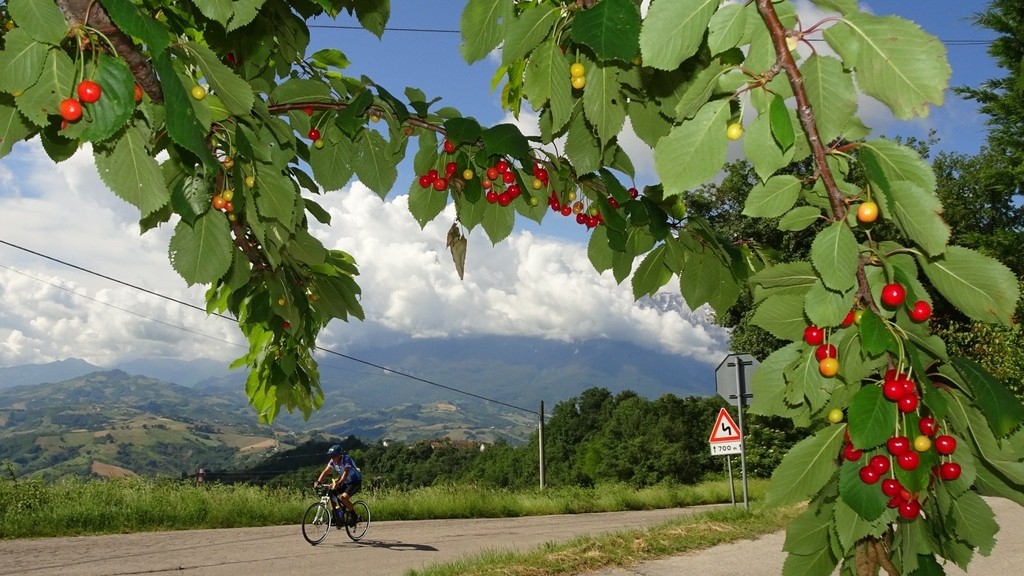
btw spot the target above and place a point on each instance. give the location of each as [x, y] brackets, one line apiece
[764, 556]
[393, 547]
[388, 549]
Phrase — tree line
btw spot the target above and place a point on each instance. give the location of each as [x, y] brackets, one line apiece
[590, 439]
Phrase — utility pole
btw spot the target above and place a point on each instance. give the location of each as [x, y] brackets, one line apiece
[540, 444]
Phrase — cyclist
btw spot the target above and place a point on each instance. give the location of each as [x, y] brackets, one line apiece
[348, 482]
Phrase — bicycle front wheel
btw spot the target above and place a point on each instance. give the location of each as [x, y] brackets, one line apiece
[356, 530]
[316, 523]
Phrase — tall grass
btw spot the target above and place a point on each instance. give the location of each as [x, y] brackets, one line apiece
[75, 507]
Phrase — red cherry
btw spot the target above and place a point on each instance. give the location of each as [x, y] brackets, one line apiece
[850, 453]
[581, 218]
[541, 174]
[879, 464]
[921, 311]
[514, 190]
[504, 198]
[850, 317]
[314, 134]
[909, 460]
[450, 168]
[432, 174]
[814, 336]
[448, 146]
[893, 294]
[945, 445]
[566, 210]
[891, 487]
[286, 325]
[868, 475]
[593, 222]
[907, 403]
[138, 92]
[89, 91]
[633, 192]
[826, 351]
[927, 426]
[502, 166]
[898, 445]
[308, 110]
[508, 177]
[492, 173]
[425, 181]
[492, 196]
[70, 109]
[950, 471]
[893, 390]
[613, 202]
[910, 509]
[440, 184]
[486, 184]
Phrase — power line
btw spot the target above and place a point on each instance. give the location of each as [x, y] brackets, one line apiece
[193, 306]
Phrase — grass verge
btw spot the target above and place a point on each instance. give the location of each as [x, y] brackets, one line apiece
[622, 549]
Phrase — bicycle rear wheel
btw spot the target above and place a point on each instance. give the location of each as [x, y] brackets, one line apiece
[316, 523]
[358, 530]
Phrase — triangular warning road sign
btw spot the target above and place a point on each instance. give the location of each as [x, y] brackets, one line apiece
[725, 429]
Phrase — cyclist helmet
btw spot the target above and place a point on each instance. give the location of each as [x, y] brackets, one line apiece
[335, 450]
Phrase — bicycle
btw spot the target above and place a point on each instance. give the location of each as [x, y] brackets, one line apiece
[327, 512]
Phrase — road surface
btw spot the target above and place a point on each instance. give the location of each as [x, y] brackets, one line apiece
[388, 549]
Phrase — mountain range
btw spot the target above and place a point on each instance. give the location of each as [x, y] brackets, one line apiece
[169, 416]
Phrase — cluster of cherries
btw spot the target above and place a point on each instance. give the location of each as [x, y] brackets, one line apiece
[584, 217]
[88, 92]
[906, 452]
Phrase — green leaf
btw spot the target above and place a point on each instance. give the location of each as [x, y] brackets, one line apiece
[581, 145]
[825, 307]
[806, 468]
[598, 251]
[727, 27]
[528, 30]
[40, 102]
[546, 83]
[808, 533]
[133, 21]
[781, 123]
[497, 222]
[425, 203]
[850, 525]
[183, 124]
[611, 29]
[875, 335]
[799, 218]
[895, 61]
[693, 151]
[276, 197]
[201, 253]
[768, 384]
[918, 215]
[482, 26]
[872, 418]
[672, 31]
[834, 253]
[13, 127]
[373, 15]
[332, 164]
[975, 522]
[235, 93]
[21, 61]
[131, 172]
[1001, 408]
[331, 57]
[375, 165]
[603, 102]
[886, 162]
[506, 139]
[782, 316]
[773, 198]
[794, 278]
[980, 286]
[865, 499]
[462, 130]
[706, 279]
[651, 274]
[831, 92]
[43, 21]
[110, 113]
[762, 151]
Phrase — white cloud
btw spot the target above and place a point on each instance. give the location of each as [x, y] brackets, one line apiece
[530, 284]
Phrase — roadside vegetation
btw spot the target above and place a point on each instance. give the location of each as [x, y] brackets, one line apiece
[31, 508]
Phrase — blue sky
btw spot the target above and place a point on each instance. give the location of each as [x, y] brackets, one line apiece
[538, 282]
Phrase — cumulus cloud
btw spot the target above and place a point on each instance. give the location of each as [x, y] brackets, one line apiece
[531, 284]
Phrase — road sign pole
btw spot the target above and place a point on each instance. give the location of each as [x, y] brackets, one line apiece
[732, 485]
[741, 389]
